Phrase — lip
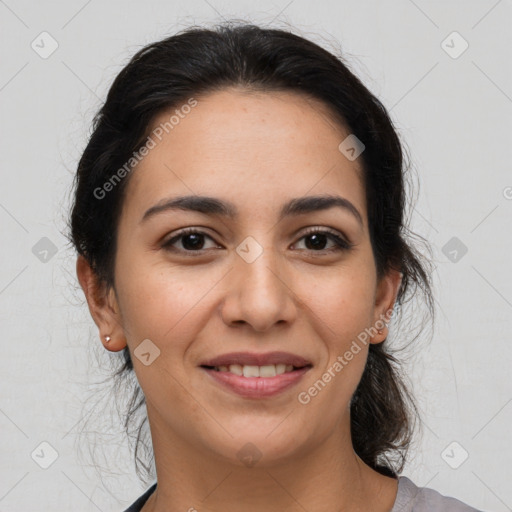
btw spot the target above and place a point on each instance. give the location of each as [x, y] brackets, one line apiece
[254, 359]
[256, 387]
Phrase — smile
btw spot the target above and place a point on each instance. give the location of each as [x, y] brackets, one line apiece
[251, 383]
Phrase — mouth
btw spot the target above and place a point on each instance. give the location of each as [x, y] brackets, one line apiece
[254, 359]
[257, 375]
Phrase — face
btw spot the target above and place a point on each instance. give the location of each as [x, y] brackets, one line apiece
[263, 279]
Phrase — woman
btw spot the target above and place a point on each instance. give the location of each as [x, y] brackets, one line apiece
[238, 219]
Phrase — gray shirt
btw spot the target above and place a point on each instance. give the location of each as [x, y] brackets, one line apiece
[409, 498]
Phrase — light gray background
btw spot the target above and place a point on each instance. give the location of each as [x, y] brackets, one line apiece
[453, 113]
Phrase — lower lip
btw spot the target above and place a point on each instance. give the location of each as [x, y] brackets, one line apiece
[257, 387]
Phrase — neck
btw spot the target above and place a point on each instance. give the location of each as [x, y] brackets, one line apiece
[323, 478]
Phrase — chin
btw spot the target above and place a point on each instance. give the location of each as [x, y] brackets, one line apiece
[260, 447]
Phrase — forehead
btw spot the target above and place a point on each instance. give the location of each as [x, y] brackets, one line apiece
[248, 147]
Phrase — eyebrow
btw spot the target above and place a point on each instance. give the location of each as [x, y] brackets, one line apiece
[213, 206]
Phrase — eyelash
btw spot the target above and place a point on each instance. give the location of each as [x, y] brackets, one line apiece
[341, 244]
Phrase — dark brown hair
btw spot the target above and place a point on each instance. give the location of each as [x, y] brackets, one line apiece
[167, 73]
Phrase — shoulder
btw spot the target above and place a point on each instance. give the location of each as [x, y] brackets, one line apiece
[411, 498]
[137, 505]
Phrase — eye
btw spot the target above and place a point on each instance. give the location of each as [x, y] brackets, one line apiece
[192, 240]
[318, 238]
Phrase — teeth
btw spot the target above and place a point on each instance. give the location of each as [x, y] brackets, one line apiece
[251, 371]
[269, 370]
[234, 368]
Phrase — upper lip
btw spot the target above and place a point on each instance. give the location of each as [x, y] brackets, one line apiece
[254, 359]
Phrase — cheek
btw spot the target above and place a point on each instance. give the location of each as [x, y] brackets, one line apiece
[168, 308]
[340, 302]
[341, 306]
[166, 305]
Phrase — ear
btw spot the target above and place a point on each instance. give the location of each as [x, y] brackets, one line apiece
[385, 297]
[103, 306]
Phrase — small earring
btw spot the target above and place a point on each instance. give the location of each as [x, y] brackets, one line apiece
[380, 330]
[107, 339]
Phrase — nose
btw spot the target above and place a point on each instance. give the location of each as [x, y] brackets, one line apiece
[259, 293]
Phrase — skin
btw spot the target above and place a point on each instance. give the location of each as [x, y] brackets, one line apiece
[256, 150]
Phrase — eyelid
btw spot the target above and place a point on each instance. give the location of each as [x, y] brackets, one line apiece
[330, 231]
